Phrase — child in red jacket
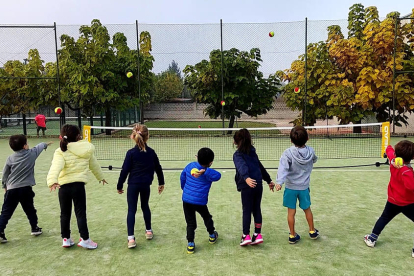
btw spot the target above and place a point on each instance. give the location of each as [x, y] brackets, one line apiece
[400, 190]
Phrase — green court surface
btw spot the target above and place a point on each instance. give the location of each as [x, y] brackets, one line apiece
[346, 203]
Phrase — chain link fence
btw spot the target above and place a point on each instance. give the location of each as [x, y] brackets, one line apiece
[169, 103]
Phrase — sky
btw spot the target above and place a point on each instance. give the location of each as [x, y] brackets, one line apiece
[183, 30]
[185, 11]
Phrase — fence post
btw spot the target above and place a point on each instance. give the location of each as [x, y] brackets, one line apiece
[141, 111]
[24, 124]
[222, 73]
[79, 119]
[393, 77]
[306, 73]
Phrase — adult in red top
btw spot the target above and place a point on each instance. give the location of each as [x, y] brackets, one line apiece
[400, 189]
[40, 121]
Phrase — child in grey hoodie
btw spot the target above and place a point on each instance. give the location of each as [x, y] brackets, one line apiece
[17, 182]
[294, 171]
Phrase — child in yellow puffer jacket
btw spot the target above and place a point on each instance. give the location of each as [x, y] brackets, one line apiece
[69, 173]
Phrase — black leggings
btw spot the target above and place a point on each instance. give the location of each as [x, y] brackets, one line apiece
[390, 211]
[133, 192]
[12, 198]
[73, 192]
[251, 199]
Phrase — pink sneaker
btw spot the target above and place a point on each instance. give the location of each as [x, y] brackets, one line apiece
[257, 239]
[88, 244]
[245, 240]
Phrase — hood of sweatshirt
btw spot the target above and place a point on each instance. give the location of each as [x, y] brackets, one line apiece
[301, 155]
[82, 148]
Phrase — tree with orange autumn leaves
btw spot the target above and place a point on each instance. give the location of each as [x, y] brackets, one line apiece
[352, 78]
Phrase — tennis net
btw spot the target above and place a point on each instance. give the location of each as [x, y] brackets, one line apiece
[182, 144]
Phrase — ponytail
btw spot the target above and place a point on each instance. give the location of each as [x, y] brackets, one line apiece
[140, 135]
[68, 134]
[243, 140]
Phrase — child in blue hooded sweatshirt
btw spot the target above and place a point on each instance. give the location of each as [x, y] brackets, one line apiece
[294, 171]
[196, 180]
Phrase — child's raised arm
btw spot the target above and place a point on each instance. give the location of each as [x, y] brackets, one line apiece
[390, 153]
[39, 148]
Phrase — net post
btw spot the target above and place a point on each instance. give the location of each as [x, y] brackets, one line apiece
[385, 133]
[86, 133]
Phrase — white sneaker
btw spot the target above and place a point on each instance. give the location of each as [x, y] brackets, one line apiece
[368, 241]
[68, 242]
[88, 244]
[412, 253]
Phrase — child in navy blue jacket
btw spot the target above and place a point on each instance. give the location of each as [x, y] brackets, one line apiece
[250, 174]
[140, 163]
[196, 179]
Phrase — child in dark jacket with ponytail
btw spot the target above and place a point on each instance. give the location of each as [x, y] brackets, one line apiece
[250, 174]
[140, 164]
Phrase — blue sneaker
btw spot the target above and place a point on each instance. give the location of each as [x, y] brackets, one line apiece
[190, 248]
[295, 239]
[213, 238]
[314, 235]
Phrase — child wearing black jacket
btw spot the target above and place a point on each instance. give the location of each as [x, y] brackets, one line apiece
[250, 174]
[140, 164]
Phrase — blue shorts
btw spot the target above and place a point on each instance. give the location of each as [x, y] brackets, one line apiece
[290, 198]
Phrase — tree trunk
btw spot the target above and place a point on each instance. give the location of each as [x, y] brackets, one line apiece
[231, 123]
[357, 129]
[108, 115]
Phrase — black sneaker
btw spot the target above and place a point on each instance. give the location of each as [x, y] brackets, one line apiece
[3, 238]
[295, 239]
[36, 231]
[213, 238]
[314, 235]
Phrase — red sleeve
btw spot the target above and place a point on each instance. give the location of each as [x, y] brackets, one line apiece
[408, 179]
[390, 153]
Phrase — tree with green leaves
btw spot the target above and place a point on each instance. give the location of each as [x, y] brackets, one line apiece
[23, 88]
[167, 85]
[93, 70]
[173, 68]
[352, 78]
[245, 88]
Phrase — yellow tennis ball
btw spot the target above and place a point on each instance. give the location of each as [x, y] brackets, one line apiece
[129, 74]
[398, 161]
[194, 171]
